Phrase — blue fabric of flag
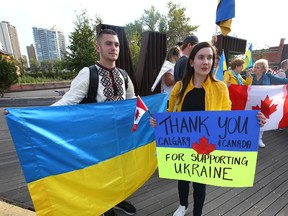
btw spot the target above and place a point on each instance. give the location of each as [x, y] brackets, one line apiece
[225, 10]
[222, 66]
[248, 62]
[66, 138]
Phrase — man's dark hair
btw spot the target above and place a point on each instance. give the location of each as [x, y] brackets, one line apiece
[105, 31]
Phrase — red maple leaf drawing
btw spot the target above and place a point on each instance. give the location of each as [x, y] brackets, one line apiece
[266, 108]
[203, 147]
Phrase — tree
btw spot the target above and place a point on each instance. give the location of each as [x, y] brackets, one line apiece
[150, 19]
[34, 66]
[175, 24]
[57, 65]
[134, 33]
[178, 24]
[22, 63]
[46, 66]
[82, 48]
[8, 74]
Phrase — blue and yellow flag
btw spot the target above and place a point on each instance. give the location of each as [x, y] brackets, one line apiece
[248, 62]
[224, 14]
[84, 159]
[222, 66]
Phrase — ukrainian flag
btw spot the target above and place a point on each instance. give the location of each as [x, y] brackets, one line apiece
[84, 159]
[248, 62]
[222, 66]
[224, 14]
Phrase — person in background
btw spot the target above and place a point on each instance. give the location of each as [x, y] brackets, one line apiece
[166, 74]
[233, 76]
[111, 88]
[284, 66]
[280, 74]
[261, 77]
[198, 91]
[217, 59]
[186, 48]
[275, 70]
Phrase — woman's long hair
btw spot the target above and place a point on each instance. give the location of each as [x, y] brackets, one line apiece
[189, 71]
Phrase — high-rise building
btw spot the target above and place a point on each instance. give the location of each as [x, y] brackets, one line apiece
[61, 41]
[9, 39]
[31, 53]
[50, 44]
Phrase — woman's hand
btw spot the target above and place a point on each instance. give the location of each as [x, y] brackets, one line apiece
[261, 118]
[248, 72]
[152, 122]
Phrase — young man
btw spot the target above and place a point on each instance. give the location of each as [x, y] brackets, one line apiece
[186, 48]
[111, 87]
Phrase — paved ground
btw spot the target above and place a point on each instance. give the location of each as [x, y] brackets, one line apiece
[35, 93]
[7, 209]
[32, 98]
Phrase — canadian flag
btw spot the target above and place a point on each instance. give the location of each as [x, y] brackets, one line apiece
[141, 108]
[272, 101]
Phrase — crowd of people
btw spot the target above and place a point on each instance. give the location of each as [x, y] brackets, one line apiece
[188, 76]
[259, 74]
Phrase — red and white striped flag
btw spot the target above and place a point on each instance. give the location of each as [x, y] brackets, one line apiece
[272, 101]
[141, 108]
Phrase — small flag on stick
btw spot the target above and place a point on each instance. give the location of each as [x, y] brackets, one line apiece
[141, 108]
[222, 66]
[248, 62]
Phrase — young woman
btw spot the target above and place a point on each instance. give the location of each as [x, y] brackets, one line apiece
[166, 74]
[233, 76]
[198, 90]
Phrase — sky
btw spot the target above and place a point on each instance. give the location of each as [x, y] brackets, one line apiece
[262, 23]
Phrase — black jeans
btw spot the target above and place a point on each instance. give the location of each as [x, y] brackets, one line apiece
[199, 194]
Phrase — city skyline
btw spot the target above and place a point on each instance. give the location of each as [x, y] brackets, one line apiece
[259, 24]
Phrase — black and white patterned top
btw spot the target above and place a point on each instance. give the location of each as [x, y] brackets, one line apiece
[111, 87]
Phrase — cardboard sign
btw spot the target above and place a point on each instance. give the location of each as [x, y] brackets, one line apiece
[211, 147]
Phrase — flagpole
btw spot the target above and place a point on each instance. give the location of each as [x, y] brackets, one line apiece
[150, 113]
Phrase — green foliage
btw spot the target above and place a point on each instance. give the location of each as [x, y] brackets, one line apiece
[22, 64]
[42, 77]
[8, 75]
[134, 33]
[82, 48]
[178, 24]
[175, 24]
[34, 65]
[46, 66]
[58, 65]
[150, 19]
[135, 51]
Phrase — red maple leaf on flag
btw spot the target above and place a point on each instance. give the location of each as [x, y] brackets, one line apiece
[137, 114]
[203, 147]
[266, 108]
